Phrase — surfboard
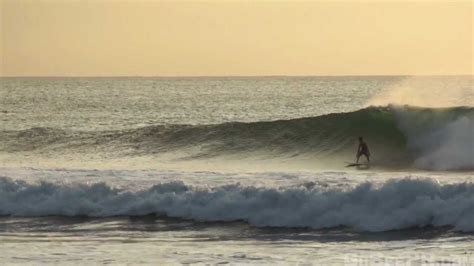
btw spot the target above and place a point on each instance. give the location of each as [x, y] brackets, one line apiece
[355, 164]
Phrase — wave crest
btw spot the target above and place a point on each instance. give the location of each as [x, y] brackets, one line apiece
[396, 204]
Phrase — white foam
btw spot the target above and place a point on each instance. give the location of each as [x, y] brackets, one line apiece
[396, 204]
[444, 145]
[450, 147]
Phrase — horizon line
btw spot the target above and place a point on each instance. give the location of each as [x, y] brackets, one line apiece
[241, 76]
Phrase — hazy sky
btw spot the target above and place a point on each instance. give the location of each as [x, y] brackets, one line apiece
[175, 38]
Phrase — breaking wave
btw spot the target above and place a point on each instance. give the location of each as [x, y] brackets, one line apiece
[403, 136]
[396, 204]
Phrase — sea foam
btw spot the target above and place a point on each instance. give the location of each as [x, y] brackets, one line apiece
[440, 139]
[396, 204]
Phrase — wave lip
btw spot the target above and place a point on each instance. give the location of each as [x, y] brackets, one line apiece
[396, 204]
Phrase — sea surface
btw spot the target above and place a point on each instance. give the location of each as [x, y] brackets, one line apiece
[237, 170]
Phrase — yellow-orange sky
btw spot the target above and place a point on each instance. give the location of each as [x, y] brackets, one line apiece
[176, 38]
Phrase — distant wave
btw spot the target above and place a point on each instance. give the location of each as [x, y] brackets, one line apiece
[427, 138]
[396, 204]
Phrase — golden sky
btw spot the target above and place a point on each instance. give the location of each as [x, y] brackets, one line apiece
[243, 38]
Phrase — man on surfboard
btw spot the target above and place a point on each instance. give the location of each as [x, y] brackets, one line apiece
[363, 150]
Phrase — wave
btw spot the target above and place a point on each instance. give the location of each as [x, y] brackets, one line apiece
[396, 204]
[427, 138]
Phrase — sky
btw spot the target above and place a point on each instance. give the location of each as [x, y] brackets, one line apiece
[238, 38]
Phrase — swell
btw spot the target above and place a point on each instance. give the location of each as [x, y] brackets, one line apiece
[396, 204]
[438, 139]
[328, 134]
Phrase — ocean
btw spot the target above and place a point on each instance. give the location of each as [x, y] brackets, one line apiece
[237, 170]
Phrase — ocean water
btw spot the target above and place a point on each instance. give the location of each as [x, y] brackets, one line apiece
[248, 170]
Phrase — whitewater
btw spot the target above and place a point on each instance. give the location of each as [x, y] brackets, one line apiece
[237, 170]
[397, 204]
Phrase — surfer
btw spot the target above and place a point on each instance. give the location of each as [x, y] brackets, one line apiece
[363, 150]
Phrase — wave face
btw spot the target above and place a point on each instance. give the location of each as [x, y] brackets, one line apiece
[396, 204]
[435, 139]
